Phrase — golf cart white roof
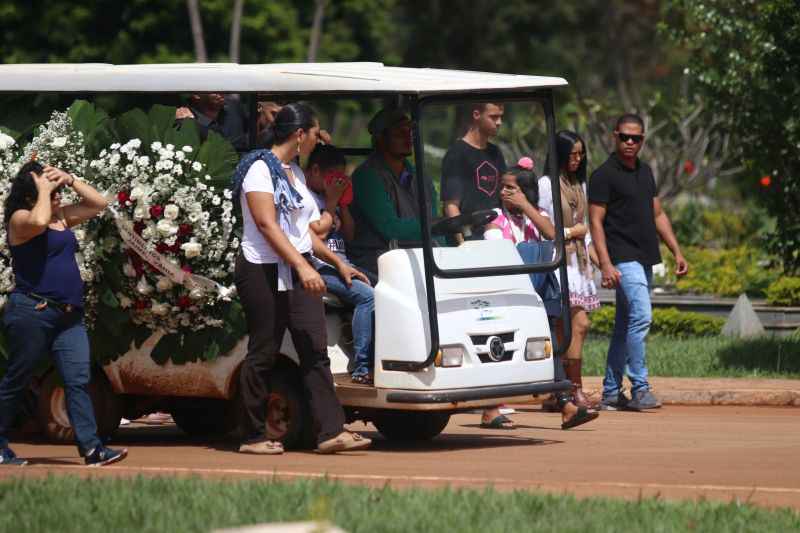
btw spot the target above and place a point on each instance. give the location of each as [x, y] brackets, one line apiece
[270, 78]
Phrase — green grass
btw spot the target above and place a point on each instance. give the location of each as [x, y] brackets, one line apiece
[168, 504]
[764, 357]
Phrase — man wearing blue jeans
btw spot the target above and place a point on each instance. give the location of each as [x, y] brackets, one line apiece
[626, 221]
[329, 184]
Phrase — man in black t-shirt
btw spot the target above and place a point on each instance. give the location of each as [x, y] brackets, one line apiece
[472, 167]
[626, 221]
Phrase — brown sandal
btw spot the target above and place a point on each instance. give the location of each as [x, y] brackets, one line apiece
[572, 367]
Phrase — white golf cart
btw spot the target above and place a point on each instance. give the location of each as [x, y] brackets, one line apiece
[456, 327]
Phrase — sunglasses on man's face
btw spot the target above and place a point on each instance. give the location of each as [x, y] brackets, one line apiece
[625, 137]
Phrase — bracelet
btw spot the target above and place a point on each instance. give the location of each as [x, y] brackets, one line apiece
[567, 233]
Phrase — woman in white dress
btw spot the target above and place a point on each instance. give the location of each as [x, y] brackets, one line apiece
[571, 161]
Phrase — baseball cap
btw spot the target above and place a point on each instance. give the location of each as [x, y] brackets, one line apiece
[385, 119]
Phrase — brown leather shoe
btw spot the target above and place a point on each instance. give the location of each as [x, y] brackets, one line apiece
[346, 441]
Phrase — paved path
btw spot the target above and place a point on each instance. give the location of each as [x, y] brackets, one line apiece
[719, 453]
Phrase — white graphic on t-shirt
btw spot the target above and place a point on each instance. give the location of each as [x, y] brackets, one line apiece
[486, 178]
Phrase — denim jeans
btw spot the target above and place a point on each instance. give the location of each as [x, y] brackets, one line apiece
[32, 334]
[362, 297]
[631, 324]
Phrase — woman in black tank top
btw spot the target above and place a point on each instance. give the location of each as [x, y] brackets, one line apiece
[44, 313]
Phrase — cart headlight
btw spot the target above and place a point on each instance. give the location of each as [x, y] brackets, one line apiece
[536, 349]
[450, 356]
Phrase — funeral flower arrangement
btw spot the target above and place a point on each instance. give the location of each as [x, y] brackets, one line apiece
[181, 225]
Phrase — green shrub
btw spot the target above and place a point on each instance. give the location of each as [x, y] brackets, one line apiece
[717, 227]
[669, 321]
[784, 291]
[731, 272]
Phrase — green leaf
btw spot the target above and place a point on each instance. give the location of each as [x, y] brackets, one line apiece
[219, 158]
[134, 124]
[183, 133]
[162, 122]
[109, 299]
[168, 347]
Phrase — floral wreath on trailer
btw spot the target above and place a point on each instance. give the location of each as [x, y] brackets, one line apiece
[56, 143]
[171, 225]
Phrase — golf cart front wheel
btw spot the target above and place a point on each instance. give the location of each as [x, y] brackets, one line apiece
[410, 425]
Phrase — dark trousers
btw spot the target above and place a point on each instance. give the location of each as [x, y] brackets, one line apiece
[33, 334]
[269, 313]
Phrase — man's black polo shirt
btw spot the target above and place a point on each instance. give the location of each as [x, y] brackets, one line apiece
[629, 225]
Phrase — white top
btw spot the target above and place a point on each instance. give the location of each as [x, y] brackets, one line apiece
[546, 203]
[255, 247]
[286, 78]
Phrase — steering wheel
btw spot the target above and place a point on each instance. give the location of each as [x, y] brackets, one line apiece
[456, 224]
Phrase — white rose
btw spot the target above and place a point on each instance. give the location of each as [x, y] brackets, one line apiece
[128, 270]
[188, 149]
[171, 212]
[197, 166]
[80, 234]
[125, 302]
[143, 287]
[156, 146]
[192, 248]
[6, 141]
[138, 192]
[166, 227]
[135, 143]
[160, 309]
[196, 293]
[141, 212]
[180, 156]
[59, 142]
[163, 284]
[143, 161]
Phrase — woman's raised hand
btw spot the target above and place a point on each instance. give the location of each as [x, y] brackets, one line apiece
[578, 231]
[515, 198]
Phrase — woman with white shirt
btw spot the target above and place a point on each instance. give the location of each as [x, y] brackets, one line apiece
[279, 287]
[571, 161]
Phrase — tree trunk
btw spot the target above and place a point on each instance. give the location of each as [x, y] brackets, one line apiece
[236, 30]
[316, 30]
[197, 31]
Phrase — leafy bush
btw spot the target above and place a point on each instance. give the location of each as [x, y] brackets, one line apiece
[731, 272]
[784, 291]
[698, 225]
[669, 321]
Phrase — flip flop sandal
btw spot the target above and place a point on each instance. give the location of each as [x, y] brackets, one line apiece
[581, 417]
[499, 422]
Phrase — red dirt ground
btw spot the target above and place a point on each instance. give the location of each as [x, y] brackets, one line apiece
[717, 453]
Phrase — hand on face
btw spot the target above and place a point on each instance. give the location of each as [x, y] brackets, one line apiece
[513, 198]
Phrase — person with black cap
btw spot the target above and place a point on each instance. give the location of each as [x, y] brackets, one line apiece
[386, 196]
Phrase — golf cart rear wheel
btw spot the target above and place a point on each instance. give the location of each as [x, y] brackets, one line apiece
[288, 414]
[410, 425]
[202, 417]
[52, 408]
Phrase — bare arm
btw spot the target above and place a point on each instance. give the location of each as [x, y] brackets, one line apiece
[542, 223]
[262, 207]
[664, 229]
[347, 272]
[597, 213]
[90, 205]
[451, 209]
[348, 228]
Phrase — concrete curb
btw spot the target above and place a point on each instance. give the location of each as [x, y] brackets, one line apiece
[724, 391]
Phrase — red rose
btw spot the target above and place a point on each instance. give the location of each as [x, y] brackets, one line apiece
[162, 248]
[123, 197]
[688, 167]
[140, 305]
[187, 269]
[156, 211]
[184, 302]
[138, 227]
[175, 248]
[184, 229]
[766, 181]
